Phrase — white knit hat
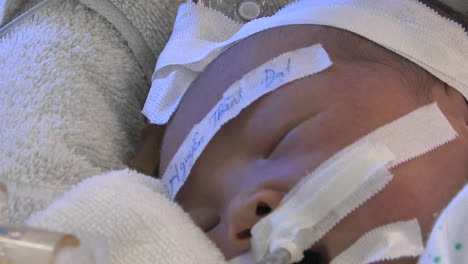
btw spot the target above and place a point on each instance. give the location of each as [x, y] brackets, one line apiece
[407, 27]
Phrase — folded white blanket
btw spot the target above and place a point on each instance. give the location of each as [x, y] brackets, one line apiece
[71, 91]
[132, 214]
[73, 80]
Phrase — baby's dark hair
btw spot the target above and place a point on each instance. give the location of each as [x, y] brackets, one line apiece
[448, 12]
[411, 74]
[420, 78]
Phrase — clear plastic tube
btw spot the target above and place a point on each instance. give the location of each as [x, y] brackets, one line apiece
[5, 29]
[21, 244]
[25, 245]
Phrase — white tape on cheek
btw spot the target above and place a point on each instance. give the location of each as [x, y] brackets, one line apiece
[416, 134]
[393, 241]
[322, 199]
[286, 68]
[345, 181]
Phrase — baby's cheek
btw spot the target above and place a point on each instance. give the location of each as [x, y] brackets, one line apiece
[206, 218]
[420, 189]
[217, 235]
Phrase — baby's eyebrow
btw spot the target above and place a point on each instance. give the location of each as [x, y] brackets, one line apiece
[292, 127]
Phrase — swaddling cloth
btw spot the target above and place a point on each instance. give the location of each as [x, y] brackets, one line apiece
[448, 242]
[346, 181]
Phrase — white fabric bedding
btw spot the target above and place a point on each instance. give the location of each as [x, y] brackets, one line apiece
[71, 91]
[70, 94]
[138, 221]
[72, 85]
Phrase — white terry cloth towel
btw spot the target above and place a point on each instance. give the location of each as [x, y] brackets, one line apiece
[137, 220]
[144, 25]
[71, 91]
[73, 78]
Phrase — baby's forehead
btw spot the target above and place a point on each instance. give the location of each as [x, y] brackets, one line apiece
[397, 26]
[353, 47]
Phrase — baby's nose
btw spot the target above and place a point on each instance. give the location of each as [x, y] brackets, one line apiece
[245, 211]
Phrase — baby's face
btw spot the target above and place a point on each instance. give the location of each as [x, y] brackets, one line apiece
[256, 158]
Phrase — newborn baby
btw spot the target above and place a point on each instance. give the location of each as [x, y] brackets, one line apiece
[260, 155]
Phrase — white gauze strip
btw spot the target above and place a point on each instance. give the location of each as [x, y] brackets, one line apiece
[396, 240]
[345, 181]
[270, 76]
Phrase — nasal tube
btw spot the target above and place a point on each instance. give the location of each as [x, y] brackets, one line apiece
[21, 244]
[320, 201]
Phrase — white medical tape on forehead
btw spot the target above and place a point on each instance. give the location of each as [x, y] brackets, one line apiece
[389, 242]
[270, 76]
[345, 181]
